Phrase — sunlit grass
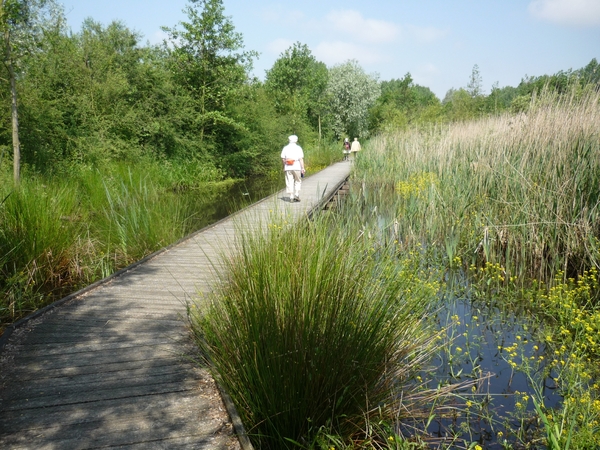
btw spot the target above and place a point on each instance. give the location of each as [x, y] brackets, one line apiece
[59, 233]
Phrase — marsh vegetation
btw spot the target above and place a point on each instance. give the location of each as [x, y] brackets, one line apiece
[467, 250]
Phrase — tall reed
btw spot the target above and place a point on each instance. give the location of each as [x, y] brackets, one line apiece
[315, 325]
[36, 236]
[521, 190]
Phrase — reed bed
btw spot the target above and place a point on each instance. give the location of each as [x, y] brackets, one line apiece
[58, 234]
[518, 190]
[316, 327]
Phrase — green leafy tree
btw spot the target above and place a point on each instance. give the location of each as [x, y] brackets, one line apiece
[207, 60]
[351, 93]
[475, 84]
[297, 82]
[459, 105]
[590, 74]
[466, 103]
[403, 102]
[97, 96]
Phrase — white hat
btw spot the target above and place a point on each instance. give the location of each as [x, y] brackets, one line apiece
[293, 138]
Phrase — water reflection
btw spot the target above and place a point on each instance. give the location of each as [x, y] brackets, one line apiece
[211, 203]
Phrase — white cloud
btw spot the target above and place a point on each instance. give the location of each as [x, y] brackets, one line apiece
[567, 12]
[159, 37]
[278, 46]
[337, 52]
[426, 34]
[357, 28]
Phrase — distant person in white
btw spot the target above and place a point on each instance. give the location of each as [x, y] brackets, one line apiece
[292, 157]
[355, 148]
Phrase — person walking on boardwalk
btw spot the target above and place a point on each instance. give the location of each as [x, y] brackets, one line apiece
[292, 157]
[346, 149]
[355, 148]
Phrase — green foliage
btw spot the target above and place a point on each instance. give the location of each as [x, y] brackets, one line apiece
[467, 103]
[205, 57]
[313, 326]
[265, 133]
[297, 83]
[402, 103]
[460, 105]
[96, 97]
[22, 22]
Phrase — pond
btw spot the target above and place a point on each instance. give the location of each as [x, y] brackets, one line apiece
[494, 353]
[498, 355]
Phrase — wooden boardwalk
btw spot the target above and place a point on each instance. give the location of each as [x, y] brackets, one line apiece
[112, 366]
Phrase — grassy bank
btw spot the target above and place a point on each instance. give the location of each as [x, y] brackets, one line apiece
[59, 233]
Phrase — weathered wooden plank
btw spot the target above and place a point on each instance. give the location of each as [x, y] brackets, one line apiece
[172, 404]
[107, 369]
[139, 353]
[87, 396]
[81, 391]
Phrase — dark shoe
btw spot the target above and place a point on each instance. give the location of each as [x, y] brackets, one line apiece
[297, 199]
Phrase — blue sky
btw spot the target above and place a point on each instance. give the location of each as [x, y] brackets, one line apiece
[437, 41]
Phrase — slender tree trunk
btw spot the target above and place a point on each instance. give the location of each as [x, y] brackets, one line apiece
[15, 128]
[319, 129]
[14, 112]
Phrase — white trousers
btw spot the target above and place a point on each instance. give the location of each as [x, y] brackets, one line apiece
[293, 181]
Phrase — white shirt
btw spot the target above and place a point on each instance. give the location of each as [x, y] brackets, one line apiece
[292, 151]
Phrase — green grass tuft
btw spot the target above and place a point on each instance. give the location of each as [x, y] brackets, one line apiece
[313, 326]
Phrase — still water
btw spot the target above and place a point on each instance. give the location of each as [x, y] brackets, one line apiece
[215, 203]
[496, 399]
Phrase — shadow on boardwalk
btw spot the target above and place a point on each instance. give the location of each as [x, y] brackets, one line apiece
[114, 366]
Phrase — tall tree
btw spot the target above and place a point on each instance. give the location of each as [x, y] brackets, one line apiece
[297, 83]
[19, 26]
[475, 84]
[352, 92]
[208, 60]
[401, 102]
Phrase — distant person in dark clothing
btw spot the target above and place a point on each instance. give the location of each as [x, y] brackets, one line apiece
[346, 149]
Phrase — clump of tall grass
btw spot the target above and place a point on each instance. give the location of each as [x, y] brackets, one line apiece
[139, 218]
[314, 326]
[36, 237]
[521, 190]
